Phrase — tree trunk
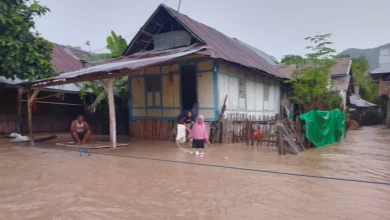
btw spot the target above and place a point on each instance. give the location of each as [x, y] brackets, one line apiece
[109, 86]
[30, 100]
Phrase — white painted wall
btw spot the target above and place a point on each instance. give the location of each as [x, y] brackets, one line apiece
[256, 104]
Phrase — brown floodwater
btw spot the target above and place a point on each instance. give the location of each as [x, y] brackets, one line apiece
[48, 183]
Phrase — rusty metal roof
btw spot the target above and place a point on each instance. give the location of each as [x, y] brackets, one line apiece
[357, 101]
[342, 82]
[65, 59]
[224, 47]
[342, 68]
[109, 69]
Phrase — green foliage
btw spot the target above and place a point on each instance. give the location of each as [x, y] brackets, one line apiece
[310, 84]
[97, 58]
[369, 91]
[334, 100]
[120, 89]
[292, 59]
[116, 44]
[360, 67]
[23, 53]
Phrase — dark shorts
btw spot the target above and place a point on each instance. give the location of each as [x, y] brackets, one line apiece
[81, 134]
[198, 143]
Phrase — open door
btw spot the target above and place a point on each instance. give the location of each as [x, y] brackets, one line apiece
[188, 86]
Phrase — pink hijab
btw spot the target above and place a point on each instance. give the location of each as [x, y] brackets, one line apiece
[198, 131]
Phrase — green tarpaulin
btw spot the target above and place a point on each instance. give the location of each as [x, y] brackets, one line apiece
[324, 127]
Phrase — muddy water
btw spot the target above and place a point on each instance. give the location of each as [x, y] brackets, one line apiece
[40, 183]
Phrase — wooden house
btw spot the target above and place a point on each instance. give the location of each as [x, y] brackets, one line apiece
[53, 113]
[226, 66]
[381, 75]
[174, 62]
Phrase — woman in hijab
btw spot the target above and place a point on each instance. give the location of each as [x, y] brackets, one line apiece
[199, 134]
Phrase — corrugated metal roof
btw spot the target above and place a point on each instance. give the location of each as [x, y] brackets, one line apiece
[224, 47]
[341, 82]
[385, 68]
[65, 59]
[72, 87]
[342, 68]
[261, 53]
[116, 65]
[359, 102]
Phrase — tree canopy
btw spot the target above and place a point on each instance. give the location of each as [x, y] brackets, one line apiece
[311, 81]
[292, 59]
[23, 53]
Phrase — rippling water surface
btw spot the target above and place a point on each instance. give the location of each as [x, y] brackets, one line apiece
[45, 183]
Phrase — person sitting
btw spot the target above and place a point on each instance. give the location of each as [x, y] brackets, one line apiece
[188, 120]
[80, 130]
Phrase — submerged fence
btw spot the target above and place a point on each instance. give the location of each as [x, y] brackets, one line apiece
[252, 130]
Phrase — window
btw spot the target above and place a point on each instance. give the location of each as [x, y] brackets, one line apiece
[242, 93]
[153, 84]
[242, 88]
[153, 91]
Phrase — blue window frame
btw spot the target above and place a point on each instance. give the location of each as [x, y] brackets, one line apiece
[153, 85]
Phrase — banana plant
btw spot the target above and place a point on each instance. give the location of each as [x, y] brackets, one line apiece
[117, 45]
[120, 90]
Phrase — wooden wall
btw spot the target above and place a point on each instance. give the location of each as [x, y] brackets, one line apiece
[51, 115]
[163, 102]
[248, 92]
[207, 89]
[153, 108]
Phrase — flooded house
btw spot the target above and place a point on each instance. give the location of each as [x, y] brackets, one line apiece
[226, 66]
[341, 76]
[54, 108]
[174, 62]
[381, 75]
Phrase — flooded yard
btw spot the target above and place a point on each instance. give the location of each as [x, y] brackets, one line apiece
[155, 180]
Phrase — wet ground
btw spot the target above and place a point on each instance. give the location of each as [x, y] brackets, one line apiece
[148, 180]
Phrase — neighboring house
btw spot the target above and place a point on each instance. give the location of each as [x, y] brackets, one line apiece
[381, 75]
[54, 113]
[225, 67]
[341, 75]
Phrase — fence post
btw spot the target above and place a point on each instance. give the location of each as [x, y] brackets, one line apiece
[279, 138]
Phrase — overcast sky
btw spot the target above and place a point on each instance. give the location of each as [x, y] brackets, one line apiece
[277, 27]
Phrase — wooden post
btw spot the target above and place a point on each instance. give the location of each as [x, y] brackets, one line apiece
[30, 100]
[109, 86]
[19, 108]
[280, 142]
[388, 113]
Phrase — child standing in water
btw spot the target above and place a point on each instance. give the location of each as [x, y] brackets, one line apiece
[199, 134]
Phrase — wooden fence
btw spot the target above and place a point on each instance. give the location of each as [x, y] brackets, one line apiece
[9, 124]
[266, 131]
[241, 128]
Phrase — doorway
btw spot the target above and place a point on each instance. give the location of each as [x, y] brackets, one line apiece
[188, 83]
